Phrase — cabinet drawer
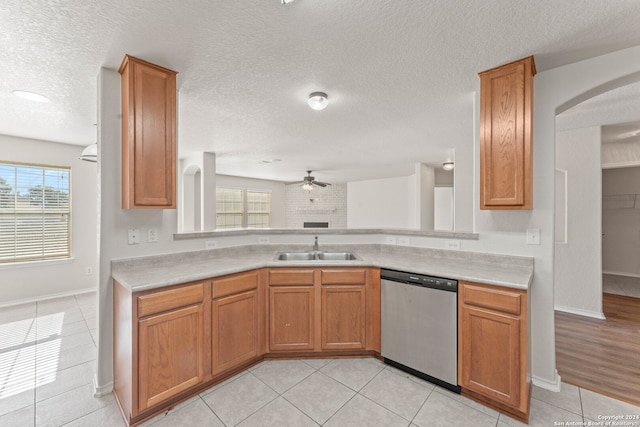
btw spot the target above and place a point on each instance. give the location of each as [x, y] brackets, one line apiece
[498, 299]
[340, 277]
[234, 284]
[291, 277]
[158, 302]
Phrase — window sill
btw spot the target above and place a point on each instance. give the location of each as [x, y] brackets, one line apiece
[40, 263]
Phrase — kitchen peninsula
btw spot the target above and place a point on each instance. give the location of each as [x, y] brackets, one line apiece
[186, 321]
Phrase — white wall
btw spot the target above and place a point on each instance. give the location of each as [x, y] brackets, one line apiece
[621, 221]
[382, 203]
[277, 190]
[578, 261]
[36, 280]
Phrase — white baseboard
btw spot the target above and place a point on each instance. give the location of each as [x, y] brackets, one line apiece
[46, 297]
[546, 384]
[621, 273]
[587, 313]
[101, 390]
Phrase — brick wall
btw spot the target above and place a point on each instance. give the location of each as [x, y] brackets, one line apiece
[327, 204]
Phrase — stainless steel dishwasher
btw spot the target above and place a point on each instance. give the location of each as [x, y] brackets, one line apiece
[420, 326]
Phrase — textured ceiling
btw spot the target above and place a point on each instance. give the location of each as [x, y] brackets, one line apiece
[400, 75]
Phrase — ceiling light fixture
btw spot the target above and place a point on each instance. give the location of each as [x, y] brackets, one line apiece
[287, 1]
[90, 153]
[307, 186]
[318, 100]
[31, 96]
[448, 166]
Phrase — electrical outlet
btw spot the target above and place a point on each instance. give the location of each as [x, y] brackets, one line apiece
[452, 245]
[404, 241]
[133, 236]
[263, 240]
[533, 236]
[210, 244]
[152, 235]
[89, 271]
[391, 240]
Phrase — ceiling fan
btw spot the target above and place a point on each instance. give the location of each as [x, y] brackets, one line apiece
[310, 182]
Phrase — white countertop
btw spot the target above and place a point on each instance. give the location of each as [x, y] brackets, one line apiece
[139, 274]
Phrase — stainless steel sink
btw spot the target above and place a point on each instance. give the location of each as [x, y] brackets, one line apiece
[316, 255]
[295, 256]
[336, 256]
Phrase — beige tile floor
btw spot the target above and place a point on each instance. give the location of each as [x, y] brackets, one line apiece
[621, 285]
[47, 357]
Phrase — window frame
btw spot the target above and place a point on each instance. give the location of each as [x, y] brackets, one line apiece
[15, 211]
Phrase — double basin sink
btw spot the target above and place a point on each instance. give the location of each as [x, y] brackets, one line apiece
[317, 255]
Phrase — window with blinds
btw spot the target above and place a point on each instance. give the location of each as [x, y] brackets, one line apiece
[239, 208]
[258, 209]
[229, 208]
[35, 212]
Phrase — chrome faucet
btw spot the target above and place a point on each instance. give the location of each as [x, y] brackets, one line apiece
[315, 245]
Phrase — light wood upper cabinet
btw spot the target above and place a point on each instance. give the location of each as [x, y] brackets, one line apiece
[493, 339]
[148, 135]
[506, 103]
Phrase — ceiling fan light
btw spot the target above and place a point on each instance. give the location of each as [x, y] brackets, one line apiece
[448, 166]
[307, 186]
[318, 100]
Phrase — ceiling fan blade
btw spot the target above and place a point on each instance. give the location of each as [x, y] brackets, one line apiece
[321, 184]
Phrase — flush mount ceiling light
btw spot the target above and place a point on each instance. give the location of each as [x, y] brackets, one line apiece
[448, 166]
[318, 100]
[287, 1]
[90, 153]
[31, 96]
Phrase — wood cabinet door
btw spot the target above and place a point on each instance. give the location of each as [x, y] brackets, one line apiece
[291, 318]
[505, 136]
[490, 354]
[171, 354]
[343, 317]
[234, 326]
[148, 135]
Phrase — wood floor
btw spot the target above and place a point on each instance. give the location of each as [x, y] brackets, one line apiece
[602, 355]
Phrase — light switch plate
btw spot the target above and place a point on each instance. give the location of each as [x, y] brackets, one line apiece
[263, 240]
[133, 236]
[533, 236]
[210, 244]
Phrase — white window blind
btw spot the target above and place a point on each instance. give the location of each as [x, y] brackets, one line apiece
[238, 208]
[35, 212]
[258, 209]
[229, 208]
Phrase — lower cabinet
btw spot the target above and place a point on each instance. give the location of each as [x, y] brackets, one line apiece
[235, 328]
[344, 309]
[493, 339]
[291, 309]
[160, 345]
[173, 342]
[322, 309]
[171, 354]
